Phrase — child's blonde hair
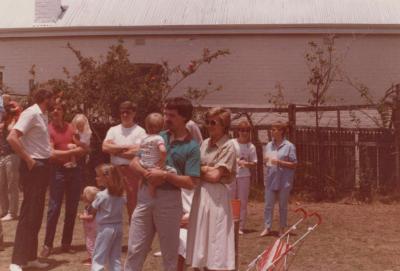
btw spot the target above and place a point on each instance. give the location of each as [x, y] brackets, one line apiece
[114, 182]
[154, 123]
[82, 118]
[89, 193]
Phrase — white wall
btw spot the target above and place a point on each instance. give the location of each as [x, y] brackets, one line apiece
[255, 65]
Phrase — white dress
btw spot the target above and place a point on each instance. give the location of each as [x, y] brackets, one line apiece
[211, 241]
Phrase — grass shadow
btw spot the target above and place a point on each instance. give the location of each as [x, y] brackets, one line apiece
[74, 250]
[52, 264]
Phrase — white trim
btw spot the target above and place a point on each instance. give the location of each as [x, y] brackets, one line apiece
[349, 29]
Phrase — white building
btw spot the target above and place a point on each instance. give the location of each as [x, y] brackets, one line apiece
[267, 39]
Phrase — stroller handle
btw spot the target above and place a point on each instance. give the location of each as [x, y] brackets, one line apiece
[318, 216]
[301, 210]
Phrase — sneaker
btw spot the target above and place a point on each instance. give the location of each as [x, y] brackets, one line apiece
[7, 217]
[157, 254]
[15, 267]
[46, 251]
[36, 264]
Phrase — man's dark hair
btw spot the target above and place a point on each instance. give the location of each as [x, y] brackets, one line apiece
[127, 105]
[180, 104]
[42, 94]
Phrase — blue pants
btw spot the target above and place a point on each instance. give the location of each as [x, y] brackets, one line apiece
[270, 195]
[107, 247]
[65, 181]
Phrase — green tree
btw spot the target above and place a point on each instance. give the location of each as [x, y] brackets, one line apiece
[103, 82]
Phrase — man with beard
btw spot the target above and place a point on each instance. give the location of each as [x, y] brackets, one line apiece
[162, 213]
[31, 142]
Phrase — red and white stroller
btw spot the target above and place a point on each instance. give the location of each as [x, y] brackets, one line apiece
[275, 257]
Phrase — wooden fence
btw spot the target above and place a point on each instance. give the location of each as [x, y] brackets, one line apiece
[342, 159]
[348, 159]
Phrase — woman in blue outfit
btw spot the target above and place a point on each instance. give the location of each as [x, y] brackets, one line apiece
[281, 161]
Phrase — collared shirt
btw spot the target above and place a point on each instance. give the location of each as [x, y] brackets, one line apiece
[183, 155]
[121, 136]
[220, 154]
[278, 177]
[35, 139]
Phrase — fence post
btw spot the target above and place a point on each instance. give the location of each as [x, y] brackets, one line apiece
[357, 160]
[292, 122]
[396, 124]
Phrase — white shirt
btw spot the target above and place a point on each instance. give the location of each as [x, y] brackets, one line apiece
[122, 136]
[33, 124]
[194, 131]
[85, 138]
[246, 152]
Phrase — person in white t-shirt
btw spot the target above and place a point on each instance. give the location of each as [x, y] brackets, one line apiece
[122, 143]
[246, 159]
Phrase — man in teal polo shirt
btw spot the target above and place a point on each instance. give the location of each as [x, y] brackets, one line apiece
[163, 212]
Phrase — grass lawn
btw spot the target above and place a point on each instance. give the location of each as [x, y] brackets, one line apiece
[352, 237]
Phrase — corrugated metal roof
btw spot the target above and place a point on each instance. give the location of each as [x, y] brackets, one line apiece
[215, 12]
[20, 13]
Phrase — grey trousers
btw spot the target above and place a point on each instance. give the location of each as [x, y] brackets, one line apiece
[160, 214]
[9, 182]
[240, 189]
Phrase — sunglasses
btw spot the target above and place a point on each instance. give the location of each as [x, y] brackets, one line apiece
[126, 112]
[211, 122]
[244, 130]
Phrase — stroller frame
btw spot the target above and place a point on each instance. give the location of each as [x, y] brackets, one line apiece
[271, 258]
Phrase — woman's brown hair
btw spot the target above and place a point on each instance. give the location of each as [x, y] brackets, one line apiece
[114, 183]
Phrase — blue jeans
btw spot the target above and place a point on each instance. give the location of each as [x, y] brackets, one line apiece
[270, 195]
[65, 181]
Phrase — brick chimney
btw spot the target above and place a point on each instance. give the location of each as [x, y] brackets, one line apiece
[47, 11]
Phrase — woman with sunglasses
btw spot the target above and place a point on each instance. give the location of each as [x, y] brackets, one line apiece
[281, 161]
[246, 159]
[210, 242]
